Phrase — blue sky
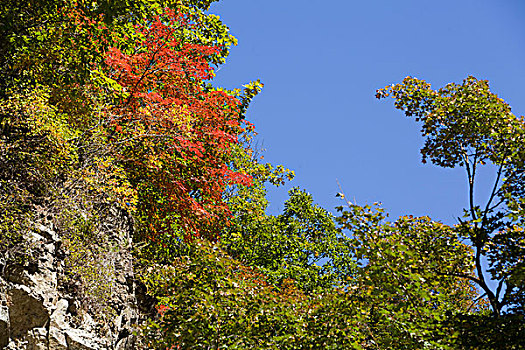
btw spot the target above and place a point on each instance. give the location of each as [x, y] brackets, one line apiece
[321, 63]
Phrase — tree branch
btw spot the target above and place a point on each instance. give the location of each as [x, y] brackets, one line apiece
[493, 193]
[470, 175]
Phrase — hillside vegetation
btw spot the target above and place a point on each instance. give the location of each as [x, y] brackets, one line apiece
[110, 105]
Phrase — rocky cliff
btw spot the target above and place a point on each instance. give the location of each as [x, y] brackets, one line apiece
[46, 305]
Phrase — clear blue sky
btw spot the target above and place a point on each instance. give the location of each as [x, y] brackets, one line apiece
[321, 63]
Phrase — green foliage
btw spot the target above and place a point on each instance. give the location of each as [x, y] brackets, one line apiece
[107, 107]
[208, 300]
[467, 125]
[30, 162]
[49, 177]
[14, 220]
[248, 202]
[93, 242]
[302, 244]
[415, 271]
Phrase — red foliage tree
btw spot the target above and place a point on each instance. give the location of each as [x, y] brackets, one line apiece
[175, 130]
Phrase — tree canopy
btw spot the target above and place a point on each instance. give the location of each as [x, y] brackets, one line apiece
[111, 105]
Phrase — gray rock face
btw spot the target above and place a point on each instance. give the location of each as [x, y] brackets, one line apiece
[26, 312]
[4, 323]
[37, 312]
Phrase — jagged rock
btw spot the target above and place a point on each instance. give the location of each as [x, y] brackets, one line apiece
[47, 232]
[25, 311]
[88, 323]
[38, 311]
[57, 339]
[37, 339]
[4, 325]
[80, 340]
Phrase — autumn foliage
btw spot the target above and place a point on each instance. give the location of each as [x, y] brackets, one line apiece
[178, 129]
[108, 110]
